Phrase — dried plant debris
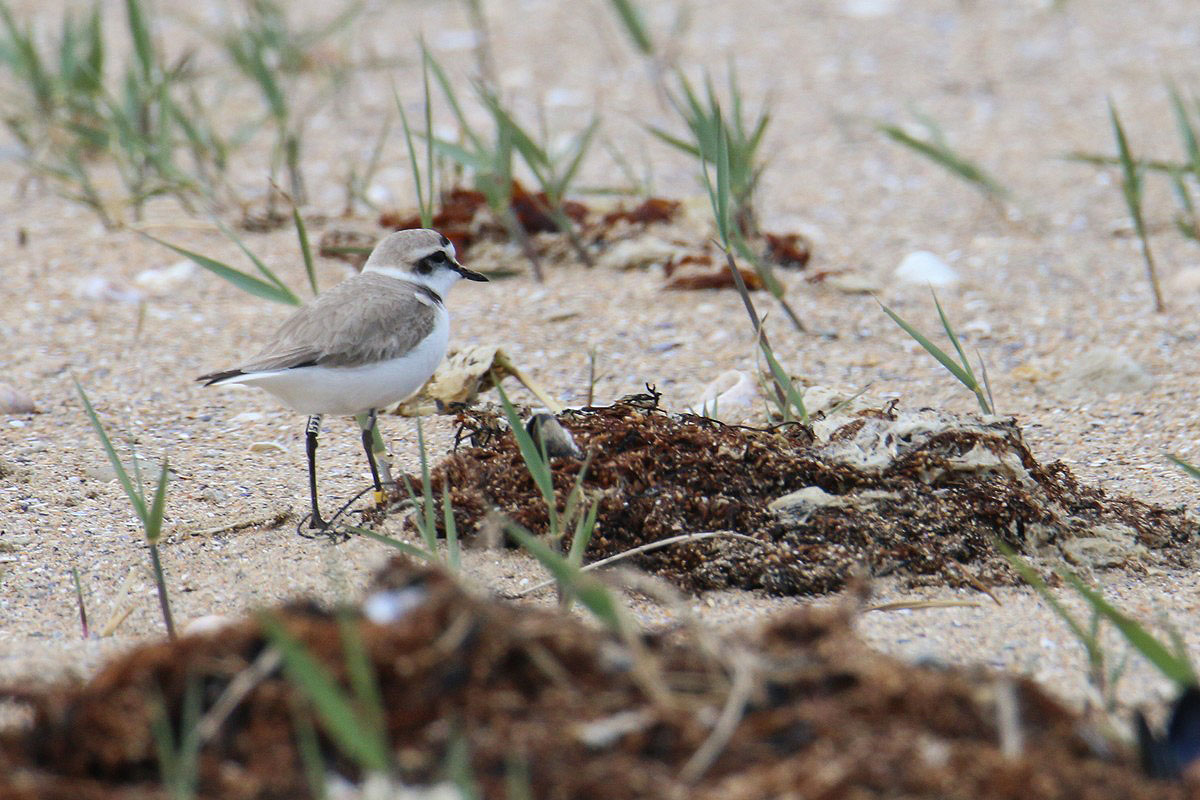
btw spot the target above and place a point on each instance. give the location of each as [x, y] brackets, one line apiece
[656, 231]
[918, 493]
[462, 375]
[353, 247]
[808, 710]
[788, 249]
[650, 211]
[716, 278]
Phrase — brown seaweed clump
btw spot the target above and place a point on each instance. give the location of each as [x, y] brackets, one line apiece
[540, 702]
[921, 493]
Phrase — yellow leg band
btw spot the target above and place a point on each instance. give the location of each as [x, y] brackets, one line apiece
[380, 498]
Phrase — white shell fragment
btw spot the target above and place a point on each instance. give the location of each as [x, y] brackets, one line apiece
[165, 280]
[643, 251]
[732, 398]
[923, 268]
[97, 287]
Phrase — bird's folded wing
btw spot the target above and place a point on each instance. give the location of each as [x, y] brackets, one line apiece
[366, 319]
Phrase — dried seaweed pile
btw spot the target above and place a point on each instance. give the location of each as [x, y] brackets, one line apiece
[576, 713]
[921, 494]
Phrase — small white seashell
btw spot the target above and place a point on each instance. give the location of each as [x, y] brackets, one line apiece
[926, 269]
[96, 287]
[165, 280]
[732, 397]
[267, 447]
[643, 251]
[209, 623]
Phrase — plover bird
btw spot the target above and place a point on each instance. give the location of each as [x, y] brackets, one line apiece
[372, 340]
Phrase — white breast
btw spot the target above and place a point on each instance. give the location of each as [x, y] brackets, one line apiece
[351, 390]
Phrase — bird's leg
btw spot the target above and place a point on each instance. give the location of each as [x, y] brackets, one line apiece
[368, 440]
[311, 431]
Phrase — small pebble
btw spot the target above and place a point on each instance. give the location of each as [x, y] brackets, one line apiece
[267, 447]
[1102, 371]
[14, 401]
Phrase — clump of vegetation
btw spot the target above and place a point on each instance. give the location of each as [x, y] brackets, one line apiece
[147, 125]
[78, 118]
[270, 53]
[786, 396]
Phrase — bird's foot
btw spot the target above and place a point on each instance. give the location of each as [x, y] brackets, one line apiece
[320, 529]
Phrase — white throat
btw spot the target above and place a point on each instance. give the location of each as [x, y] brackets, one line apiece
[440, 281]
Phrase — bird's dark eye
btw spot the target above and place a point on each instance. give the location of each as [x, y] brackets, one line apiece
[438, 258]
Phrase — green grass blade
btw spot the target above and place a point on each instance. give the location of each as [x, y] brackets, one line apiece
[539, 470]
[784, 382]
[363, 683]
[404, 547]
[160, 582]
[139, 31]
[259, 264]
[593, 594]
[83, 618]
[425, 211]
[1030, 576]
[582, 144]
[427, 205]
[427, 506]
[1185, 466]
[962, 357]
[305, 250]
[931, 348]
[723, 177]
[583, 535]
[154, 520]
[635, 27]
[941, 155]
[139, 502]
[334, 708]
[309, 748]
[1131, 185]
[1172, 666]
[451, 96]
[242, 280]
[453, 554]
[457, 769]
[674, 141]
[475, 162]
[1187, 133]
[1131, 188]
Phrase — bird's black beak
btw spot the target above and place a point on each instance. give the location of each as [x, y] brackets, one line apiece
[469, 274]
